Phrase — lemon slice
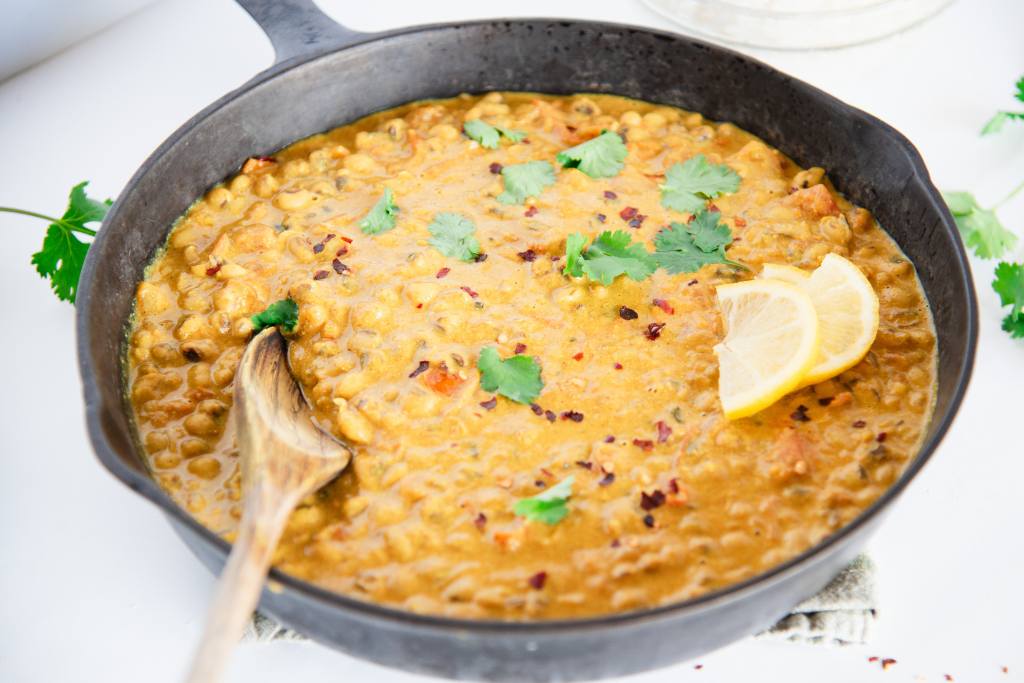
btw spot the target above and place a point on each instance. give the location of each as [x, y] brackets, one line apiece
[771, 342]
[847, 308]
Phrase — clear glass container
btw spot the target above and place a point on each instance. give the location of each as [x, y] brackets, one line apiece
[797, 24]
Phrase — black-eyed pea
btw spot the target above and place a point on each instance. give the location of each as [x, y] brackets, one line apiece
[193, 446]
[631, 118]
[363, 341]
[242, 328]
[205, 467]
[306, 519]
[298, 246]
[156, 441]
[219, 197]
[421, 403]
[166, 354]
[225, 366]
[167, 461]
[266, 186]
[654, 120]
[371, 315]
[296, 168]
[355, 505]
[629, 598]
[154, 385]
[323, 188]
[185, 235]
[196, 301]
[311, 318]
[351, 383]
[201, 424]
[569, 294]
[835, 229]
[362, 164]
[444, 131]
[195, 502]
[151, 299]
[294, 200]
[387, 510]
[199, 376]
[240, 184]
[353, 425]
[422, 293]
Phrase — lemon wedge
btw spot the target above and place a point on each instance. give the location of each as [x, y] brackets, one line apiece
[771, 342]
[847, 309]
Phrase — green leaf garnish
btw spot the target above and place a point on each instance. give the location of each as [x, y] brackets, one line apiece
[688, 186]
[548, 506]
[381, 217]
[600, 157]
[525, 180]
[517, 379]
[610, 255]
[1009, 285]
[685, 247]
[979, 227]
[487, 135]
[452, 235]
[61, 257]
[996, 123]
[283, 314]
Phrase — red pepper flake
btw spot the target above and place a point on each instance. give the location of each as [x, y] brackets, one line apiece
[347, 239]
[643, 444]
[419, 305]
[691, 283]
[469, 291]
[860, 424]
[610, 438]
[654, 330]
[269, 159]
[616, 543]
[213, 270]
[342, 251]
[490, 404]
[546, 472]
[441, 273]
[529, 255]
[800, 414]
[627, 313]
[537, 410]
[572, 415]
[872, 660]
[601, 218]
[538, 579]
[664, 305]
[495, 168]
[740, 223]
[578, 356]
[653, 500]
[1005, 669]
[608, 194]
[607, 479]
[320, 274]
[318, 247]
[664, 431]
[421, 368]
[520, 347]
[637, 220]
[649, 521]
[328, 237]
[673, 485]
[339, 267]
[887, 662]
[585, 464]
[532, 211]
[827, 401]
[698, 667]
[618, 366]
[628, 213]
[480, 258]
[480, 522]
[947, 677]
[882, 436]
[550, 415]
[539, 484]
[712, 207]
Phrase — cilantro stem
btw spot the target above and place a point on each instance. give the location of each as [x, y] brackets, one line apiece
[64, 224]
[1008, 197]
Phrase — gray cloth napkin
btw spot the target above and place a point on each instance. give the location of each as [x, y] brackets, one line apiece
[843, 613]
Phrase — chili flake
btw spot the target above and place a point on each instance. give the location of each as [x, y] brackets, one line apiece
[827, 401]
[320, 274]
[213, 270]
[649, 521]
[441, 273]
[538, 579]
[664, 431]
[601, 218]
[585, 464]
[654, 331]
[480, 522]
[627, 313]
[637, 220]
[618, 366]
[673, 485]
[495, 168]
[882, 436]
[860, 424]
[691, 283]
[520, 347]
[480, 258]
[572, 415]
[347, 239]
[664, 305]
[529, 255]
[339, 267]
[489, 404]
[800, 414]
[643, 444]
[887, 662]
[342, 251]
[550, 415]
[653, 500]
[740, 223]
[318, 247]
[610, 438]
[608, 194]
[607, 479]
[537, 410]
[628, 213]
[469, 291]
[420, 369]
[578, 356]
[532, 211]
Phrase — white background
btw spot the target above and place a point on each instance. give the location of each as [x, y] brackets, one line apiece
[94, 586]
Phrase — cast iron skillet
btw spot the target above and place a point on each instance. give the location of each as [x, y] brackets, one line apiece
[325, 76]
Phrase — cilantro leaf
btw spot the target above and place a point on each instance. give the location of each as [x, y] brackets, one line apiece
[688, 186]
[452, 235]
[685, 247]
[600, 157]
[1009, 285]
[549, 506]
[517, 378]
[1015, 326]
[62, 254]
[996, 123]
[381, 217]
[610, 255]
[979, 227]
[283, 313]
[488, 135]
[525, 180]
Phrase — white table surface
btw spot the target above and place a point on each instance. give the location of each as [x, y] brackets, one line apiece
[95, 587]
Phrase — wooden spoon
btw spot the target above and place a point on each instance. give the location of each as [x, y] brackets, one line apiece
[285, 457]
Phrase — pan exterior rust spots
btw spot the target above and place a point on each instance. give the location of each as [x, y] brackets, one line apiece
[336, 76]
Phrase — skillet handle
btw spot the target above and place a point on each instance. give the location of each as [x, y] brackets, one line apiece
[298, 28]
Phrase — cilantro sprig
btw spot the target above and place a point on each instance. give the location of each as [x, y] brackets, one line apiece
[516, 378]
[981, 229]
[996, 123]
[610, 255]
[61, 257]
[600, 157]
[1009, 285]
[688, 186]
[453, 235]
[489, 136]
[283, 314]
[685, 247]
[525, 180]
[549, 506]
[381, 217]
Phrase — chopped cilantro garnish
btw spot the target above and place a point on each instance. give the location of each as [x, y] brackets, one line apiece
[600, 157]
[488, 135]
[452, 235]
[688, 186]
[610, 255]
[283, 313]
[381, 217]
[995, 124]
[548, 506]
[979, 227]
[685, 247]
[1009, 285]
[517, 378]
[525, 180]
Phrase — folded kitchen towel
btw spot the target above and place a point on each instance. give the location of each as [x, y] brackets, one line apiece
[841, 614]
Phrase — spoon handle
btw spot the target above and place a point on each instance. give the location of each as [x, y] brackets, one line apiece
[240, 584]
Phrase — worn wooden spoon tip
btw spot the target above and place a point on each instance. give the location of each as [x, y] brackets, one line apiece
[284, 457]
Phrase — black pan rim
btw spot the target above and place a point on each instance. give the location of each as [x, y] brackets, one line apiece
[148, 488]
